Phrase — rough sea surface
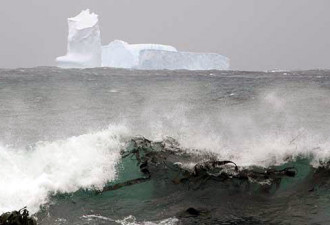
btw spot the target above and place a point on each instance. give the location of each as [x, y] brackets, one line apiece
[61, 133]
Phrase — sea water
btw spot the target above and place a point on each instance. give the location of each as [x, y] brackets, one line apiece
[62, 131]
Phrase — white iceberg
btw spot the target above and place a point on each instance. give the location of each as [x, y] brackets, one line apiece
[160, 60]
[120, 54]
[84, 42]
[84, 50]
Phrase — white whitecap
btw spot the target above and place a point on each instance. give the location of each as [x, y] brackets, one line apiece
[85, 161]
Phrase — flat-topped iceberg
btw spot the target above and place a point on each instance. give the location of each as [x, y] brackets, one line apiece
[120, 54]
[84, 50]
[84, 42]
[161, 60]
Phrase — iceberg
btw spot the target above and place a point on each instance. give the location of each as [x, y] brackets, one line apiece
[120, 54]
[84, 42]
[161, 60]
[84, 50]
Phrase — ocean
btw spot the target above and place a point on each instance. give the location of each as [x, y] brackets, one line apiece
[63, 133]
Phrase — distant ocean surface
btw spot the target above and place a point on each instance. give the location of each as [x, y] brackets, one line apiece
[62, 133]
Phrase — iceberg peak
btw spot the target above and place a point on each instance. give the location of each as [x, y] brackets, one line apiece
[84, 19]
[84, 42]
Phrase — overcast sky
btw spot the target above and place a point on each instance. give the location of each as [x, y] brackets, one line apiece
[254, 34]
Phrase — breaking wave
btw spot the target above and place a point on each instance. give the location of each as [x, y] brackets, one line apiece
[86, 161]
[30, 176]
[265, 134]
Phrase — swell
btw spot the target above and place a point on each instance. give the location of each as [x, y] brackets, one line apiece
[89, 161]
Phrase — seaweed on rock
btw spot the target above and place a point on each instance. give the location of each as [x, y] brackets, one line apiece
[20, 217]
[167, 155]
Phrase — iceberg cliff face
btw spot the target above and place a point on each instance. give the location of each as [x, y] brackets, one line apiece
[120, 54]
[84, 42]
[160, 60]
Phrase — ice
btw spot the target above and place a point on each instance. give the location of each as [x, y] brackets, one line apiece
[159, 60]
[84, 50]
[120, 54]
[84, 42]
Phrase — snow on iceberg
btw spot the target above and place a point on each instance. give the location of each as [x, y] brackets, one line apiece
[120, 54]
[84, 42]
[160, 60]
[84, 50]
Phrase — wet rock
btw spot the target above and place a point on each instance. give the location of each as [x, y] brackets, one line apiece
[167, 157]
[20, 217]
[193, 212]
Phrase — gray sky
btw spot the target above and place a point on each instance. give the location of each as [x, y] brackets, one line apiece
[254, 34]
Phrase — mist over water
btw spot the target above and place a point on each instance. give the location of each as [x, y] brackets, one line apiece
[62, 130]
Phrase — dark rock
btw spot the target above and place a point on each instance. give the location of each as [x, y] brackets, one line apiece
[193, 211]
[20, 217]
[167, 156]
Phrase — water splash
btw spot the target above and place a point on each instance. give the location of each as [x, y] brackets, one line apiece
[85, 161]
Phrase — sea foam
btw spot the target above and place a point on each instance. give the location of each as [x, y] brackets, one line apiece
[28, 177]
